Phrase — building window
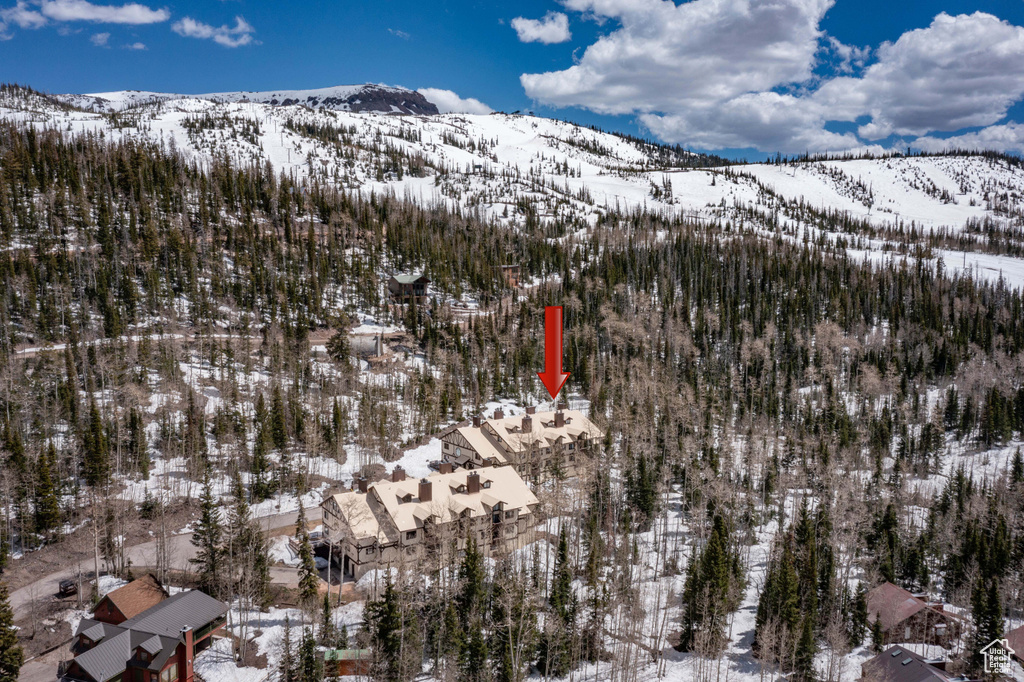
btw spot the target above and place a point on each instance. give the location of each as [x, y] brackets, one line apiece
[170, 673]
[510, 514]
[411, 535]
[458, 452]
[572, 446]
[371, 550]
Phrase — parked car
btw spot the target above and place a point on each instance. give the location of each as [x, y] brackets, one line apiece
[67, 588]
[320, 562]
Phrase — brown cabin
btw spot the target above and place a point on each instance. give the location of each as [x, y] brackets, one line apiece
[511, 273]
[157, 645]
[130, 600]
[907, 618]
[408, 288]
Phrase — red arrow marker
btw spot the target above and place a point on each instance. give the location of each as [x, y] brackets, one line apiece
[553, 376]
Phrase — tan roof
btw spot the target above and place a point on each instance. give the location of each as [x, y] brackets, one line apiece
[487, 447]
[543, 432]
[390, 507]
[137, 596]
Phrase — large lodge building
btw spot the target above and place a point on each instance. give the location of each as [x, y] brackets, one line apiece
[538, 445]
[396, 522]
[479, 492]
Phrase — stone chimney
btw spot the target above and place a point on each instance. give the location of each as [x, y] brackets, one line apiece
[476, 421]
[473, 483]
[186, 637]
[426, 490]
[527, 423]
[563, 405]
[361, 483]
[398, 474]
[559, 419]
[532, 409]
[499, 413]
[445, 468]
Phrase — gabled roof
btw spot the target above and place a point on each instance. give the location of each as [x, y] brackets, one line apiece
[192, 609]
[896, 664]
[396, 506]
[411, 279]
[1015, 638]
[107, 659]
[157, 630]
[543, 432]
[891, 605]
[137, 596]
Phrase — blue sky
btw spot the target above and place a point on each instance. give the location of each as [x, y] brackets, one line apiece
[803, 75]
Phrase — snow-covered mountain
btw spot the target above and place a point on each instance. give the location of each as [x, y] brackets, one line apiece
[366, 97]
[517, 168]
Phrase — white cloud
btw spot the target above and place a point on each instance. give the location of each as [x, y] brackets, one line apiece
[741, 73]
[81, 10]
[228, 36]
[135, 46]
[100, 39]
[22, 16]
[40, 13]
[960, 72]
[448, 102]
[553, 28]
[398, 33]
[664, 56]
[850, 56]
[1003, 138]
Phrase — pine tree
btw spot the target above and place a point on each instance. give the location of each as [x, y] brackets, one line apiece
[642, 492]
[513, 639]
[309, 577]
[711, 589]
[287, 670]
[96, 453]
[137, 446]
[206, 538]
[278, 424]
[859, 616]
[11, 654]
[384, 622]
[1017, 471]
[555, 654]
[328, 635]
[311, 668]
[987, 610]
[248, 544]
[47, 509]
[778, 606]
[806, 648]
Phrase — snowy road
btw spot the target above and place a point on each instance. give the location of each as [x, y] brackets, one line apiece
[179, 551]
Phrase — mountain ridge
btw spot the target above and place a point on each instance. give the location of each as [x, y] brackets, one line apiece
[356, 98]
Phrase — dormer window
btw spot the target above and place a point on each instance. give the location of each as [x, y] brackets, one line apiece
[486, 484]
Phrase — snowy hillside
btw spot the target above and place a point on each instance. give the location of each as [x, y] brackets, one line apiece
[366, 97]
[516, 168]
